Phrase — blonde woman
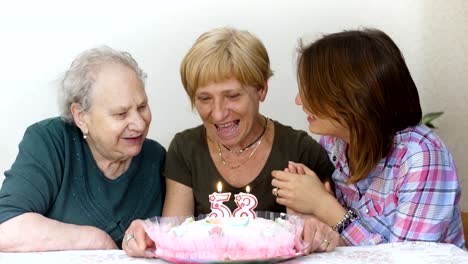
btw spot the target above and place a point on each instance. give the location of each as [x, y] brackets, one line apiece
[225, 75]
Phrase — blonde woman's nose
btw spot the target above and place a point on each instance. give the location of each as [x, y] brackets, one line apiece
[219, 111]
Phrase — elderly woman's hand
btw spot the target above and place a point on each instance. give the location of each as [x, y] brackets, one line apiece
[136, 242]
[319, 236]
[299, 188]
[98, 239]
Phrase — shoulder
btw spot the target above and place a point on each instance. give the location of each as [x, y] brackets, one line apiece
[421, 157]
[299, 146]
[52, 128]
[151, 152]
[295, 139]
[288, 139]
[189, 138]
[49, 124]
[292, 134]
[190, 133]
[419, 135]
[153, 146]
[419, 148]
[417, 139]
[285, 129]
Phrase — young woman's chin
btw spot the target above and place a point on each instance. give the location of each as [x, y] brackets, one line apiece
[314, 130]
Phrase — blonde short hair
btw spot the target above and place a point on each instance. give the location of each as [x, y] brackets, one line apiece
[224, 53]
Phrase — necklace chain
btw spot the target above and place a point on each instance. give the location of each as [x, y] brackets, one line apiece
[221, 158]
[256, 144]
[251, 144]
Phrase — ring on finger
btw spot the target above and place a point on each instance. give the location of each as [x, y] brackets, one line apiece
[129, 237]
[274, 191]
[327, 243]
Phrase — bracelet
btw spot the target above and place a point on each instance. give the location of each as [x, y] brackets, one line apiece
[348, 218]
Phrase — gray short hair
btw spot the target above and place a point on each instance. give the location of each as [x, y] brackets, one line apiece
[77, 83]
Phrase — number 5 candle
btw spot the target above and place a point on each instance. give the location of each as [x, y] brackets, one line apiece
[218, 209]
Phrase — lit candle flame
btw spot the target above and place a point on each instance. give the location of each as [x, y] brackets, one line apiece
[247, 189]
[220, 187]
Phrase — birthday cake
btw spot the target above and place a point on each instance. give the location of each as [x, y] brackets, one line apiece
[232, 238]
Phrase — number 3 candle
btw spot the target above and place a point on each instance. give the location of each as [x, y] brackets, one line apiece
[246, 203]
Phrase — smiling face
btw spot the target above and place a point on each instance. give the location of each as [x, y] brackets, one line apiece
[324, 126]
[230, 112]
[119, 118]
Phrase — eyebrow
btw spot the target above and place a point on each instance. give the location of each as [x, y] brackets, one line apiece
[228, 91]
[126, 108]
[119, 109]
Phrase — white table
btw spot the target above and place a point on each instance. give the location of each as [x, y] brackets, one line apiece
[407, 252]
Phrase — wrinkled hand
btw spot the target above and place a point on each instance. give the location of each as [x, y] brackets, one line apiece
[141, 244]
[300, 189]
[99, 239]
[319, 236]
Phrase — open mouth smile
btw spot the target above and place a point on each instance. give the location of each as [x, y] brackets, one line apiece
[227, 128]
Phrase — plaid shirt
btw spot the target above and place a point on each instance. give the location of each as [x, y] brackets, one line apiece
[412, 194]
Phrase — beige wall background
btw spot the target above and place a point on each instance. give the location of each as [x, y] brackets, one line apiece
[442, 76]
[40, 38]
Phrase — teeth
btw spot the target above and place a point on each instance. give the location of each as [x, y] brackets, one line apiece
[226, 125]
[227, 128]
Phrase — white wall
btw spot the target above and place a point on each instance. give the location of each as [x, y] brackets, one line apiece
[39, 39]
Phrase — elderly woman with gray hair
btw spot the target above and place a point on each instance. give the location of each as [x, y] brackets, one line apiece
[79, 180]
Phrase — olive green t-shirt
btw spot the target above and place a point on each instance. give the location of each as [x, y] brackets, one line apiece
[189, 162]
[56, 175]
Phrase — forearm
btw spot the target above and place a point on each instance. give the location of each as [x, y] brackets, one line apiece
[332, 212]
[179, 199]
[329, 210]
[34, 232]
[356, 233]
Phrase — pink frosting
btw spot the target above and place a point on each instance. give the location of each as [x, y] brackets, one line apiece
[258, 239]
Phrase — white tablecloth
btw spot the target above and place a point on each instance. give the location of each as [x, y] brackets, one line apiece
[407, 252]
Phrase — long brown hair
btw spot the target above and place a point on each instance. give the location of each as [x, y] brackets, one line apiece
[360, 79]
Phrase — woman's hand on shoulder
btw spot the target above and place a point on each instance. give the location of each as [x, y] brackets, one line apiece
[136, 242]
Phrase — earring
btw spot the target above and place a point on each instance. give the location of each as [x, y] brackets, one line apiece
[85, 136]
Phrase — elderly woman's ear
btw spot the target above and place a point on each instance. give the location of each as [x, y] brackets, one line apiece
[79, 117]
